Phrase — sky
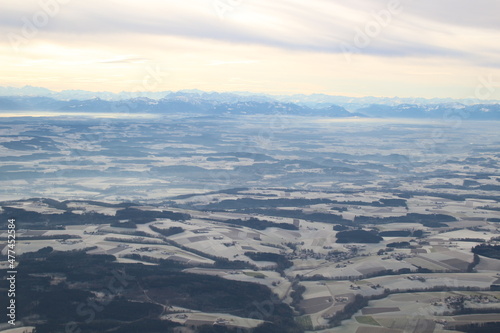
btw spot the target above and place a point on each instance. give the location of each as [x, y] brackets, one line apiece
[383, 48]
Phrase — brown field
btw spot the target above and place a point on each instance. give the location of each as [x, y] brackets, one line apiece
[405, 297]
[372, 329]
[456, 263]
[193, 322]
[440, 263]
[421, 261]
[371, 311]
[115, 250]
[424, 325]
[197, 239]
[370, 270]
[317, 304]
[490, 317]
[488, 264]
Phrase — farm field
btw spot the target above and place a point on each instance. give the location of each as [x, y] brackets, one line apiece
[343, 240]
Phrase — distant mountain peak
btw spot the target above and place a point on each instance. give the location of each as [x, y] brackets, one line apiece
[228, 103]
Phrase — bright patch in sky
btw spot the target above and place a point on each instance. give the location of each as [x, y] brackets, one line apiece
[403, 48]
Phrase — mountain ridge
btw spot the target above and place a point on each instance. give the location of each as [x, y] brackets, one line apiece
[212, 103]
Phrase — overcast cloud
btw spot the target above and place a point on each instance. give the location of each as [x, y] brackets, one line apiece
[304, 38]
